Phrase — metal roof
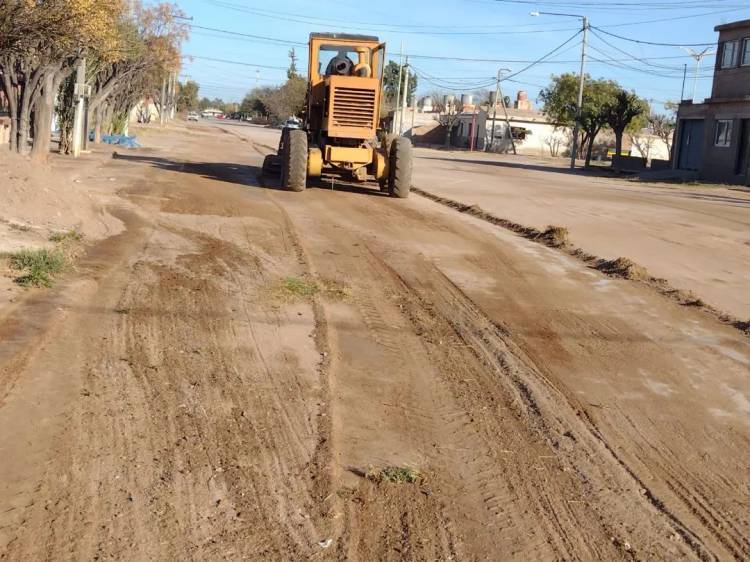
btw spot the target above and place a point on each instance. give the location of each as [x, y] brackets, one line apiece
[344, 36]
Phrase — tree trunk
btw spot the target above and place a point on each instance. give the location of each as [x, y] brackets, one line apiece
[590, 148]
[10, 94]
[616, 164]
[98, 124]
[23, 124]
[43, 109]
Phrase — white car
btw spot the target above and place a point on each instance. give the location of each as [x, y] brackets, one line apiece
[292, 123]
[192, 116]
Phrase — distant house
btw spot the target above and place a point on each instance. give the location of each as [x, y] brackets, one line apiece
[713, 137]
[211, 112]
[531, 131]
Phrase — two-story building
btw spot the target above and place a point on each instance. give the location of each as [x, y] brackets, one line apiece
[713, 137]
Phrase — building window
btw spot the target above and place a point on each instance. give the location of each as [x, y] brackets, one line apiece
[723, 132]
[745, 52]
[729, 54]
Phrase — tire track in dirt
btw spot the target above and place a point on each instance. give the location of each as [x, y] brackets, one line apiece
[197, 435]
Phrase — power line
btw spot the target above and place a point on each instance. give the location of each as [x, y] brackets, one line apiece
[235, 62]
[249, 35]
[641, 42]
[660, 20]
[541, 59]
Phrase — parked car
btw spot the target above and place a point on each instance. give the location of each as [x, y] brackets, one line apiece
[292, 123]
[192, 116]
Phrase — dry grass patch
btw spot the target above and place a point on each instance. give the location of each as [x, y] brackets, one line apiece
[395, 474]
[625, 268]
[38, 267]
[302, 288]
[555, 236]
[66, 236]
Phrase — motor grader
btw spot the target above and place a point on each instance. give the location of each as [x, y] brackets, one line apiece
[339, 133]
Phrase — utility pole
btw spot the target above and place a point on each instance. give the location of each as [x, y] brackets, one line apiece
[398, 88]
[579, 105]
[577, 127]
[406, 97]
[697, 56]
[494, 106]
[79, 116]
[684, 76]
[507, 119]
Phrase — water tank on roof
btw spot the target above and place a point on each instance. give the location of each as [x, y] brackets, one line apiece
[467, 99]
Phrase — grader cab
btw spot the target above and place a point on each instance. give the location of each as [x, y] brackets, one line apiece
[339, 133]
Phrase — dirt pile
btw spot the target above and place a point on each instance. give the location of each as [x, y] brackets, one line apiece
[625, 268]
[42, 198]
[555, 236]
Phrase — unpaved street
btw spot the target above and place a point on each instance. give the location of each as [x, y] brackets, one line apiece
[222, 379]
[697, 237]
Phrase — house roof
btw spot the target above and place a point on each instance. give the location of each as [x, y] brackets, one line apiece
[733, 25]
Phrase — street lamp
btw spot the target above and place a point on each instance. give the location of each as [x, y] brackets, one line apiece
[697, 56]
[577, 126]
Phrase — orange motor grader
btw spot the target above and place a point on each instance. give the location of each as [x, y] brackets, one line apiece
[339, 132]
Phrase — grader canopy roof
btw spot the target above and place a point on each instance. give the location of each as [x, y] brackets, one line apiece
[344, 36]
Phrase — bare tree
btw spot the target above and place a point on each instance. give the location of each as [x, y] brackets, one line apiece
[663, 127]
[449, 116]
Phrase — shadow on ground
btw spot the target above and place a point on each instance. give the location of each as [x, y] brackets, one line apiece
[244, 174]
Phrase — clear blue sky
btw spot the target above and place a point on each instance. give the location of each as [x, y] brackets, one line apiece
[471, 29]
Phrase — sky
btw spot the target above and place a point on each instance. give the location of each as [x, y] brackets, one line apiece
[500, 33]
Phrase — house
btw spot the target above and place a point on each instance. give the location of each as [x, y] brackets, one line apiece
[713, 137]
[532, 131]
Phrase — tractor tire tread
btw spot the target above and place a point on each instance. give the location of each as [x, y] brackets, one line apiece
[295, 161]
[401, 167]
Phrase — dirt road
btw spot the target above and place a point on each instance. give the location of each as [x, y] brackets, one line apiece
[226, 378]
[695, 237]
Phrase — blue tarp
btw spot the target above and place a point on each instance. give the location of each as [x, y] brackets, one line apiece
[120, 140]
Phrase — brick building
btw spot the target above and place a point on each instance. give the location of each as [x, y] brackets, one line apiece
[713, 137]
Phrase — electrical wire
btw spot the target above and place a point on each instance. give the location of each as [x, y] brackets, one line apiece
[653, 43]
[543, 57]
[235, 62]
[248, 35]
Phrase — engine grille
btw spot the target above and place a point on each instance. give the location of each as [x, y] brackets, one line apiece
[353, 107]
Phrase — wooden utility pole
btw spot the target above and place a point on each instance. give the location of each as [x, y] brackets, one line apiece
[79, 99]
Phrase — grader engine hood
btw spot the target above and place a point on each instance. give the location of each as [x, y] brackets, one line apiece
[352, 107]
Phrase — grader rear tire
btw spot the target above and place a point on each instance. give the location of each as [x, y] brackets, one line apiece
[295, 161]
[400, 168]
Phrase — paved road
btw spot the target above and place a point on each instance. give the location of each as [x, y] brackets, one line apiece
[218, 380]
[696, 238]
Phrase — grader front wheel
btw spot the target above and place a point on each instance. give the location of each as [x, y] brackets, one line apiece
[400, 166]
[295, 161]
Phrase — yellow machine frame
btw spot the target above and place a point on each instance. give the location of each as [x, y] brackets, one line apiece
[343, 112]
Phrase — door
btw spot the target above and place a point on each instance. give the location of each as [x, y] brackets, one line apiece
[743, 149]
[691, 144]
